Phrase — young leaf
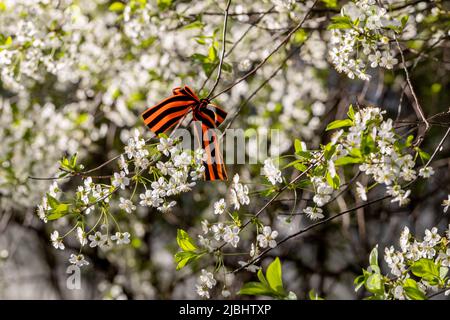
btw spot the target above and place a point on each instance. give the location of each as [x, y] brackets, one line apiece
[73, 161]
[359, 281]
[334, 182]
[183, 258]
[262, 278]
[314, 296]
[347, 160]
[412, 290]
[164, 4]
[424, 156]
[339, 124]
[255, 289]
[374, 283]
[273, 275]
[185, 242]
[426, 269]
[373, 258]
[195, 25]
[116, 7]
[52, 202]
[298, 145]
[340, 22]
[351, 113]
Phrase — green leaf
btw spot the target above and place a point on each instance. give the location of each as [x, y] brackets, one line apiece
[404, 20]
[334, 182]
[340, 22]
[329, 151]
[314, 296]
[351, 113]
[298, 145]
[409, 140]
[164, 4]
[274, 276]
[73, 161]
[227, 67]
[367, 144]
[426, 269]
[359, 281]
[255, 289]
[147, 42]
[185, 242]
[300, 36]
[347, 160]
[304, 154]
[373, 258]
[374, 283]
[424, 156]
[300, 167]
[262, 278]
[183, 258]
[62, 208]
[412, 290]
[212, 54]
[330, 3]
[117, 7]
[52, 202]
[195, 25]
[339, 124]
[297, 164]
[59, 211]
[356, 153]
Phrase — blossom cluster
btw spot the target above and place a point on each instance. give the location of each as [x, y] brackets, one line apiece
[362, 32]
[372, 143]
[228, 231]
[419, 268]
[163, 170]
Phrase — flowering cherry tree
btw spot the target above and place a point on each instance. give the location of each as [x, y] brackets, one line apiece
[338, 123]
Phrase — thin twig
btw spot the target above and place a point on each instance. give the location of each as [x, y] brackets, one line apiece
[235, 44]
[312, 226]
[281, 44]
[222, 56]
[417, 107]
[262, 85]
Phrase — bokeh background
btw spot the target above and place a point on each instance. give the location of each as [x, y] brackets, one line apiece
[76, 74]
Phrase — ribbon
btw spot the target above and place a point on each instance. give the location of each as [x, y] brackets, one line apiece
[167, 113]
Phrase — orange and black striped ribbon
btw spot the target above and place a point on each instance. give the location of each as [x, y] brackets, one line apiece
[167, 113]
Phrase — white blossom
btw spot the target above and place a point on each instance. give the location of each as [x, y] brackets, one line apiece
[120, 180]
[78, 260]
[272, 173]
[121, 237]
[57, 240]
[267, 238]
[314, 213]
[220, 206]
[127, 205]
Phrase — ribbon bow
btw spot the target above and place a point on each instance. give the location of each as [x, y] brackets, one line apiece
[167, 113]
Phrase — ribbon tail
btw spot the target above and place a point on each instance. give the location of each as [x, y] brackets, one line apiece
[214, 165]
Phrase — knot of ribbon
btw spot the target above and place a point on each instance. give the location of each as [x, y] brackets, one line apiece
[168, 112]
